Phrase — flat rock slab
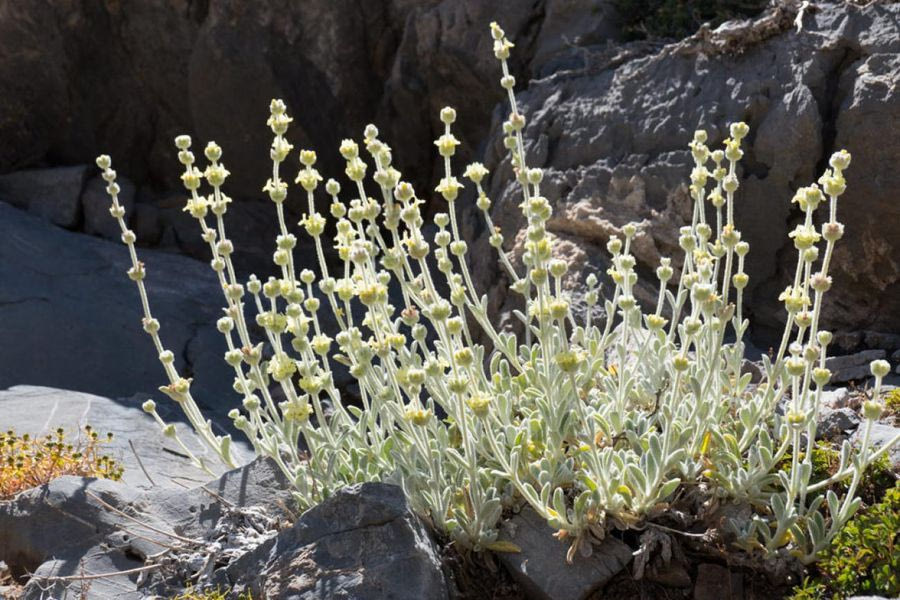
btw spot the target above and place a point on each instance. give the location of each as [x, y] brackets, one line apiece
[150, 459]
[541, 569]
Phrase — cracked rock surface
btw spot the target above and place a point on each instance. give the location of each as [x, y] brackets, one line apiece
[612, 133]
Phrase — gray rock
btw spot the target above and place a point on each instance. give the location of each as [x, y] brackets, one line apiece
[885, 341]
[715, 582]
[852, 367]
[363, 542]
[146, 224]
[61, 528]
[847, 342]
[880, 435]
[70, 318]
[58, 529]
[836, 422]
[609, 162]
[541, 569]
[836, 398]
[150, 460]
[95, 202]
[754, 368]
[673, 574]
[52, 194]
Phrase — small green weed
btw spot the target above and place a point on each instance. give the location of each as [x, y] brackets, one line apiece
[210, 594]
[864, 558]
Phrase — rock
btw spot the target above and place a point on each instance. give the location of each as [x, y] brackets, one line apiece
[885, 341]
[671, 575]
[151, 461]
[541, 569]
[146, 224]
[836, 422]
[754, 368]
[252, 226]
[848, 342]
[715, 582]
[880, 435]
[56, 531]
[363, 542]
[52, 194]
[852, 367]
[61, 528]
[70, 318]
[607, 162]
[836, 398]
[96, 203]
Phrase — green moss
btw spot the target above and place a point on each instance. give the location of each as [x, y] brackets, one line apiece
[892, 401]
[877, 478]
[680, 18]
[864, 558]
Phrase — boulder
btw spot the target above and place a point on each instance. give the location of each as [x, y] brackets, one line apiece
[363, 542]
[146, 224]
[852, 367]
[836, 398]
[881, 434]
[541, 569]
[95, 202]
[612, 137]
[70, 318]
[833, 423]
[52, 194]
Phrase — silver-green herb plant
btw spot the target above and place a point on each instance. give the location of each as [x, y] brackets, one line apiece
[593, 425]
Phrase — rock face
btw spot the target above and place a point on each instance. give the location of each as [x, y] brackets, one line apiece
[612, 135]
[100, 79]
[610, 123]
[80, 80]
[71, 319]
[363, 542]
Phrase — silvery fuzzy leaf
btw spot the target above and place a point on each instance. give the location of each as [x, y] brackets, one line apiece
[778, 506]
[668, 488]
